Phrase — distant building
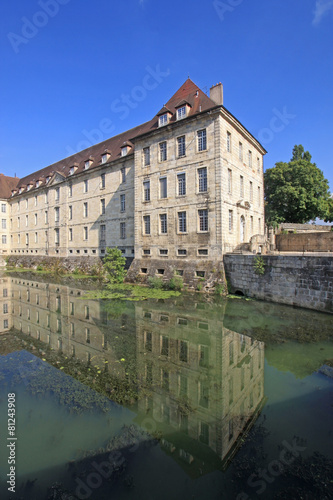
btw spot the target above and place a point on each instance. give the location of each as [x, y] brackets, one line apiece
[187, 186]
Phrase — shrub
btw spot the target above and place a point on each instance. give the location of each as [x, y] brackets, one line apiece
[155, 282]
[114, 265]
[176, 283]
[259, 265]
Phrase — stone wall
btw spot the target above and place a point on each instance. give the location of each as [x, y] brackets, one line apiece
[294, 280]
[68, 263]
[302, 242]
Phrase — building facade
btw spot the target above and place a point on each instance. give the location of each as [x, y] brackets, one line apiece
[185, 187]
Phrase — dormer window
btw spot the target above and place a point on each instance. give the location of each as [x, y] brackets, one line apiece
[105, 156]
[71, 171]
[48, 179]
[37, 184]
[124, 151]
[163, 120]
[181, 113]
[21, 190]
[29, 187]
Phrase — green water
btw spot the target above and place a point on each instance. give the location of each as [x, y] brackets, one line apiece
[186, 398]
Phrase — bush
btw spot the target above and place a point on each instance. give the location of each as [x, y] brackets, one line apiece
[176, 283]
[155, 282]
[259, 265]
[114, 266]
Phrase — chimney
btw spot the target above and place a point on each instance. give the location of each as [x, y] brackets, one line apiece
[216, 94]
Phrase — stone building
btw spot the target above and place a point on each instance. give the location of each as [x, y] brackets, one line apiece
[177, 191]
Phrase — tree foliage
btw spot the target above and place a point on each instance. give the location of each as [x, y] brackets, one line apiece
[114, 265]
[296, 191]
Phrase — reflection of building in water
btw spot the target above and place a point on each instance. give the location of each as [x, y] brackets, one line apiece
[200, 384]
[205, 380]
[60, 317]
[5, 305]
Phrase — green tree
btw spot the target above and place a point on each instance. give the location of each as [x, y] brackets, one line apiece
[114, 265]
[296, 191]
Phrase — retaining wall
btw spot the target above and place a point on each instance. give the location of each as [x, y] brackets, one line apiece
[296, 280]
[305, 242]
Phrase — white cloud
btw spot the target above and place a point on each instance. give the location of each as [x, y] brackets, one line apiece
[323, 7]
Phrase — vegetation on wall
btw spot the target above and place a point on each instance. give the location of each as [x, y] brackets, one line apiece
[259, 265]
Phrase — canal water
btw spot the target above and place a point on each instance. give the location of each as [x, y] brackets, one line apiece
[184, 398]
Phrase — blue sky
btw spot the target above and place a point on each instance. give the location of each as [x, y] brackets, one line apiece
[75, 72]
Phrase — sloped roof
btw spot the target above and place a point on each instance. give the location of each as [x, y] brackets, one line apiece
[6, 185]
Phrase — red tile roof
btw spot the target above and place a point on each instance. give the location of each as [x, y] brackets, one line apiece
[189, 93]
[6, 185]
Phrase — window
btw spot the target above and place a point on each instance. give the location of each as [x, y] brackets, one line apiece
[203, 220]
[70, 234]
[259, 225]
[163, 251]
[202, 140]
[182, 252]
[250, 159]
[87, 164]
[228, 142]
[57, 194]
[36, 237]
[163, 187]
[85, 209]
[163, 120]
[123, 230]
[164, 346]
[251, 223]
[4, 239]
[5, 308]
[146, 156]
[87, 335]
[3, 223]
[181, 146]
[35, 219]
[18, 238]
[181, 178]
[241, 186]
[229, 181]
[26, 203]
[85, 233]
[102, 232]
[122, 203]
[259, 196]
[105, 158]
[124, 151]
[56, 214]
[182, 222]
[46, 197]
[123, 174]
[5, 292]
[103, 206]
[3, 208]
[183, 351]
[181, 113]
[70, 190]
[102, 181]
[36, 199]
[240, 151]
[5, 323]
[146, 190]
[231, 221]
[86, 312]
[203, 251]
[85, 186]
[26, 220]
[146, 224]
[163, 151]
[163, 224]
[251, 191]
[18, 222]
[202, 179]
[46, 217]
[56, 236]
